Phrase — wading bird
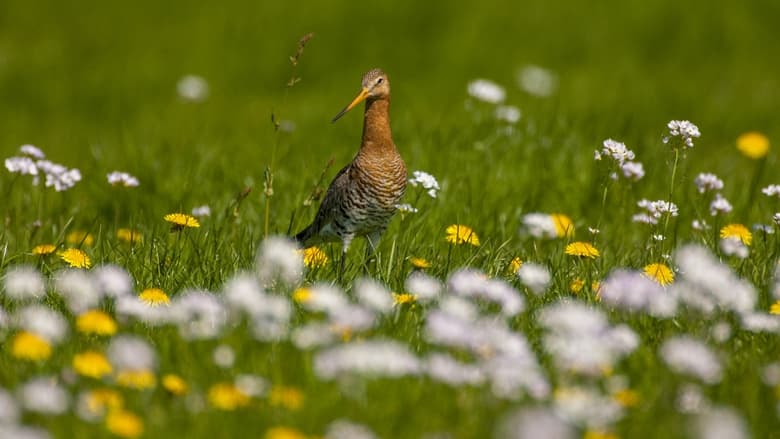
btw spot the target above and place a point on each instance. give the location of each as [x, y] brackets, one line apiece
[362, 198]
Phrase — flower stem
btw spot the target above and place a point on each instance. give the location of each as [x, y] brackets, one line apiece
[671, 186]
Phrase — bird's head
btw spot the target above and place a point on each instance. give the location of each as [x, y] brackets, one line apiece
[375, 85]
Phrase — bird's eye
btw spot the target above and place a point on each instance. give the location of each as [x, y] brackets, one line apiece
[379, 81]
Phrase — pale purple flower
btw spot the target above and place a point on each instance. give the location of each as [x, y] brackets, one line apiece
[633, 171]
[708, 182]
[684, 130]
[615, 150]
[720, 205]
[773, 190]
[118, 178]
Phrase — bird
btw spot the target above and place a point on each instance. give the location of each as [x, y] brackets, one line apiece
[363, 196]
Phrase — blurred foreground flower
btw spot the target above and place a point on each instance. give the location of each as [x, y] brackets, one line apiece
[537, 81]
[92, 364]
[289, 398]
[75, 258]
[29, 346]
[419, 263]
[124, 424]
[460, 234]
[193, 88]
[753, 145]
[44, 249]
[486, 91]
[287, 433]
[96, 322]
[201, 211]
[583, 249]
[181, 220]
[154, 297]
[403, 298]
[174, 384]
[80, 237]
[226, 396]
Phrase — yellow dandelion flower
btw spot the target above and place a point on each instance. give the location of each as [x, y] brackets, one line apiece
[598, 434]
[30, 346]
[101, 400]
[515, 264]
[96, 322]
[80, 237]
[564, 227]
[583, 249]
[124, 424]
[154, 297]
[737, 231]
[753, 145]
[626, 397]
[314, 257]
[404, 298]
[44, 249]
[660, 273]
[290, 398]
[75, 258]
[181, 220]
[460, 234]
[174, 384]
[419, 263]
[576, 285]
[129, 236]
[136, 379]
[775, 308]
[92, 364]
[301, 295]
[226, 396]
[284, 433]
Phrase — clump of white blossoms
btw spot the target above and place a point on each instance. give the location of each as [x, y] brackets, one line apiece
[622, 157]
[42, 321]
[279, 260]
[486, 91]
[689, 356]
[733, 246]
[33, 162]
[654, 211]
[539, 225]
[508, 113]
[406, 208]
[720, 205]
[427, 181]
[193, 88]
[534, 276]
[773, 190]
[633, 291]
[44, 395]
[376, 358]
[201, 211]
[776, 218]
[537, 80]
[131, 353]
[118, 178]
[681, 133]
[24, 282]
[706, 182]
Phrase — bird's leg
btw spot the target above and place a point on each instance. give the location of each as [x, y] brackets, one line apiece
[372, 242]
[344, 247]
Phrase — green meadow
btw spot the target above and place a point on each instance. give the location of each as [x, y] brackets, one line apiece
[222, 105]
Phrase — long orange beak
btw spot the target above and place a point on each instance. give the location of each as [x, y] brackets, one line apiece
[360, 98]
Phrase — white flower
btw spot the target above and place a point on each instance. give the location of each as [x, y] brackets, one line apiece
[658, 237]
[633, 171]
[487, 91]
[32, 151]
[352, 318]
[534, 423]
[43, 395]
[508, 113]
[344, 429]
[720, 423]
[77, 288]
[426, 180]
[654, 210]
[776, 218]
[423, 287]
[587, 407]
[193, 88]
[279, 259]
[201, 211]
[444, 368]
[132, 306]
[21, 165]
[686, 355]
[683, 129]
[112, 280]
[131, 353]
[406, 208]
[719, 205]
[700, 225]
[58, 176]
[325, 298]
[733, 246]
[708, 182]
[373, 295]
[772, 190]
[24, 282]
[633, 291]
[615, 150]
[760, 322]
[378, 358]
[539, 225]
[313, 334]
[473, 283]
[9, 411]
[593, 231]
[42, 321]
[224, 356]
[199, 314]
[721, 332]
[763, 228]
[117, 178]
[534, 276]
[691, 400]
[251, 385]
[537, 81]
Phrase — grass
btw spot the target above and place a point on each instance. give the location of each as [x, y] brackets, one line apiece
[94, 85]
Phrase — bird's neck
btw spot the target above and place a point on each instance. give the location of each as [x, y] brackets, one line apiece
[376, 125]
